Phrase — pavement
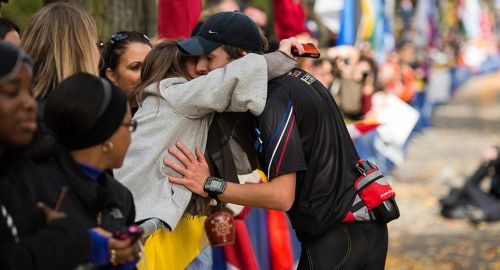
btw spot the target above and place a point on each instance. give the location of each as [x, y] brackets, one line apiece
[439, 158]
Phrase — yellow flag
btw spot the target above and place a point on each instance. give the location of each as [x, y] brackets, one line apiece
[367, 20]
[176, 249]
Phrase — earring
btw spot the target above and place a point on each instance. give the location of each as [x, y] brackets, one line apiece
[107, 147]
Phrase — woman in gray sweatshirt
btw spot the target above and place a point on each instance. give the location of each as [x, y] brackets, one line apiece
[174, 106]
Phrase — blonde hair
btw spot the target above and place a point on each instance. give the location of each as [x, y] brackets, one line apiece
[60, 39]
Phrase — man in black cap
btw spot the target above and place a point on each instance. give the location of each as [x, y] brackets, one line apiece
[223, 37]
[306, 152]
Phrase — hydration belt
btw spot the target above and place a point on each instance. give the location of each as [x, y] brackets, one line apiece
[375, 198]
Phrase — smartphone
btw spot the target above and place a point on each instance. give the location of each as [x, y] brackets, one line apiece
[310, 50]
[132, 233]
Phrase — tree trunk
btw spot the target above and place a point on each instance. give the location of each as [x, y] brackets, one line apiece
[120, 15]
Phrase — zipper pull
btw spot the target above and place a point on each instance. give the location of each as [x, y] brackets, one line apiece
[99, 219]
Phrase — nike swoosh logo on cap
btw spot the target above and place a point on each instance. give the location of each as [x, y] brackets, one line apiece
[212, 32]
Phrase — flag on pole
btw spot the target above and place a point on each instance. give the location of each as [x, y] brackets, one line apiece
[368, 20]
[289, 18]
[347, 33]
[328, 12]
[177, 18]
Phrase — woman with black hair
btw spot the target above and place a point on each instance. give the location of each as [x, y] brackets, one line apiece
[32, 235]
[122, 58]
[9, 31]
[88, 117]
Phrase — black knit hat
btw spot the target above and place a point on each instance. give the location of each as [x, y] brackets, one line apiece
[84, 111]
[11, 58]
[225, 28]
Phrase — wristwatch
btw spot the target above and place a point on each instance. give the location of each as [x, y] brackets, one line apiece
[214, 186]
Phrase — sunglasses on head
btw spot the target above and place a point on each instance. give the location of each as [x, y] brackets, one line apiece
[119, 36]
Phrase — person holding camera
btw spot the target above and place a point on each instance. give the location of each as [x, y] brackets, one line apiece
[306, 152]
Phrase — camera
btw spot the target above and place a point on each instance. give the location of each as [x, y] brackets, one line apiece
[310, 50]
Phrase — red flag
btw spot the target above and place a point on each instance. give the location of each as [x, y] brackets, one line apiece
[240, 255]
[279, 241]
[357, 129]
[289, 18]
[177, 18]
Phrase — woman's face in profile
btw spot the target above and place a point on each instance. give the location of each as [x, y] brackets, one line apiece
[17, 109]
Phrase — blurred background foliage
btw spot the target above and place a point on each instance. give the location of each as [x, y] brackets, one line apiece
[21, 11]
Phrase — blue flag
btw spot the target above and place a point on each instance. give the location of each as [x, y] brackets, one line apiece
[347, 33]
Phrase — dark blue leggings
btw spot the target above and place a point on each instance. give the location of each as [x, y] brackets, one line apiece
[351, 246]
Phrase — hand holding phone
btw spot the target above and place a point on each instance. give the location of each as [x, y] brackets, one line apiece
[132, 233]
[310, 50]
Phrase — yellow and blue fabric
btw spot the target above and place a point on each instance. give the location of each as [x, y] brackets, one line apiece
[176, 249]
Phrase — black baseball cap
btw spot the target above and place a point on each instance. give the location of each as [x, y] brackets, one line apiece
[225, 28]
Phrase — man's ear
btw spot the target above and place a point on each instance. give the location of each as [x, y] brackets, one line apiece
[243, 53]
[110, 74]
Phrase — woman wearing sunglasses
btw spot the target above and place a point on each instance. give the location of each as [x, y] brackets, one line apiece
[122, 58]
[89, 120]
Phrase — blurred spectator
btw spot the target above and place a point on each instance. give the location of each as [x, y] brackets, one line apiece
[258, 15]
[9, 31]
[473, 202]
[33, 236]
[229, 5]
[212, 7]
[391, 78]
[407, 59]
[366, 72]
[122, 59]
[346, 90]
[321, 69]
[61, 39]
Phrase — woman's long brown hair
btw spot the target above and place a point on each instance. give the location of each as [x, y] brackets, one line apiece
[165, 60]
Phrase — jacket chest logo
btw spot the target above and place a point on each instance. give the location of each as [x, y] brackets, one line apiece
[116, 213]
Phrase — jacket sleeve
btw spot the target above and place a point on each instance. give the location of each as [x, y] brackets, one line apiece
[62, 244]
[238, 87]
[131, 208]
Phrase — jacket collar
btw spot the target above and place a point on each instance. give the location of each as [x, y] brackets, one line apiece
[94, 193]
